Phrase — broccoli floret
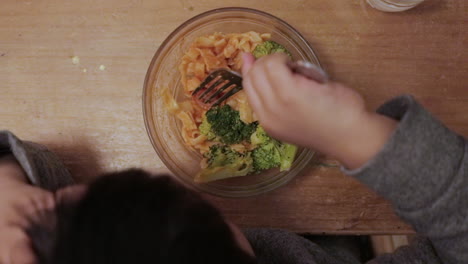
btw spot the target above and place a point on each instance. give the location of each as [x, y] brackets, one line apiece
[221, 155]
[259, 136]
[271, 153]
[205, 129]
[269, 47]
[226, 124]
[288, 153]
[266, 156]
[224, 162]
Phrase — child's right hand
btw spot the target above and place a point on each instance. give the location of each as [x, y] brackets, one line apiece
[330, 118]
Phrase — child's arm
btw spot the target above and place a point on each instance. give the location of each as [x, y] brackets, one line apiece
[19, 203]
[403, 153]
[423, 170]
[23, 165]
[328, 118]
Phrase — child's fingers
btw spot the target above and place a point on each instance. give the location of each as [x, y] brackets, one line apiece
[247, 62]
[262, 86]
[279, 75]
[252, 96]
[25, 209]
[45, 200]
[21, 252]
[16, 247]
[259, 90]
[259, 85]
[72, 193]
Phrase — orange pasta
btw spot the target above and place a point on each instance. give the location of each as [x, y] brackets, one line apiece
[205, 54]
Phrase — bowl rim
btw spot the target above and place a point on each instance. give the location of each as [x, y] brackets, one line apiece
[150, 69]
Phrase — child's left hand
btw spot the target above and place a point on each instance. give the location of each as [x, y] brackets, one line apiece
[19, 205]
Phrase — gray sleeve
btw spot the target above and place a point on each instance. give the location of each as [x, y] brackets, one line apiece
[419, 251]
[280, 246]
[42, 167]
[423, 171]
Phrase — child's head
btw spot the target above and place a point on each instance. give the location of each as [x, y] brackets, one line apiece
[131, 217]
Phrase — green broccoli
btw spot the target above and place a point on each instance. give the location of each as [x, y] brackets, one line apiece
[224, 162]
[205, 129]
[225, 124]
[259, 136]
[288, 153]
[269, 47]
[271, 153]
[266, 156]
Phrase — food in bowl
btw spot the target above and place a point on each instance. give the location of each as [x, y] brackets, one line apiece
[164, 129]
[228, 136]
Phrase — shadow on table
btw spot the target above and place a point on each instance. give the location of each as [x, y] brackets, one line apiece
[427, 7]
[80, 157]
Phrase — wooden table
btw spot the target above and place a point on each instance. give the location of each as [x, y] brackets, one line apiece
[91, 114]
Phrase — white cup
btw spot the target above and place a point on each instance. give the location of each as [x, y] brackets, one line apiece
[393, 5]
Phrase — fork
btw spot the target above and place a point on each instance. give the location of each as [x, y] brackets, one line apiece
[221, 84]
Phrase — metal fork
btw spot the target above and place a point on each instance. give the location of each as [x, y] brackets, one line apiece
[223, 83]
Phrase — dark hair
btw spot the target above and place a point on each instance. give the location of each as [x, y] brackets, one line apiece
[133, 217]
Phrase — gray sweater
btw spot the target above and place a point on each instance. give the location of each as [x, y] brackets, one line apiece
[422, 170]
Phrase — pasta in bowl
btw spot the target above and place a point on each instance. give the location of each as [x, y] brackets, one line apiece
[185, 135]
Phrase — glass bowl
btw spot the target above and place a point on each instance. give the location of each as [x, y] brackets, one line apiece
[163, 128]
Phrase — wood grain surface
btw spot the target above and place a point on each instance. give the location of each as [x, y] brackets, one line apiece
[91, 114]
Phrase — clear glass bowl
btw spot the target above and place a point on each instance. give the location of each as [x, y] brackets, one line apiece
[163, 128]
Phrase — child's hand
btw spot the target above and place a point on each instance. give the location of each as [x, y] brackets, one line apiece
[330, 118]
[19, 204]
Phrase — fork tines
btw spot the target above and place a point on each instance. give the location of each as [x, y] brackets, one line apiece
[217, 87]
